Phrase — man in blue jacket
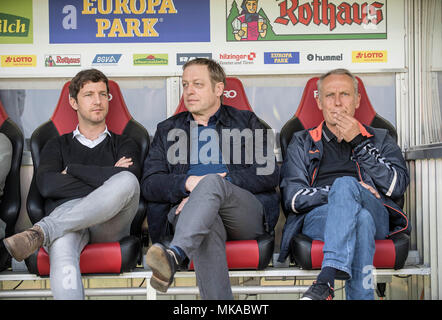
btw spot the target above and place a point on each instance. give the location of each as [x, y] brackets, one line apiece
[210, 189]
[339, 182]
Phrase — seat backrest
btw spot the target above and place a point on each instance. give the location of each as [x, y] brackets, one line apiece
[234, 96]
[11, 200]
[3, 114]
[308, 114]
[65, 118]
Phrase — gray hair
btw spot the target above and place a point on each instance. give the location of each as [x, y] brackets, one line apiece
[338, 72]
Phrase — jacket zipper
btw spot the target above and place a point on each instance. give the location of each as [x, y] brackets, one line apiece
[386, 205]
[313, 176]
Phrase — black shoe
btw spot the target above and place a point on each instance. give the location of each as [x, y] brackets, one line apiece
[319, 291]
[164, 264]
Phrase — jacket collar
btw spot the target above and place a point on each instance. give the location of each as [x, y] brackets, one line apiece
[221, 116]
[224, 116]
[316, 133]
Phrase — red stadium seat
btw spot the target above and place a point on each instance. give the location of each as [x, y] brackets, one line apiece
[308, 114]
[245, 254]
[307, 253]
[112, 257]
[234, 95]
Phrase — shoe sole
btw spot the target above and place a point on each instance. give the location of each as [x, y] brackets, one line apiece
[161, 274]
[9, 247]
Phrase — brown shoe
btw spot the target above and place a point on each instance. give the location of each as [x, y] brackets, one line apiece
[23, 244]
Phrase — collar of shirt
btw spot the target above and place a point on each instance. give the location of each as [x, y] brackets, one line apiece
[328, 135]
[212, 120]
[87, 142]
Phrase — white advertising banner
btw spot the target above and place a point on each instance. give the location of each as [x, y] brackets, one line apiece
[155, 38]
[302, 36]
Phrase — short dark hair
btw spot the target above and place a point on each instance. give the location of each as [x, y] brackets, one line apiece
[340, 71]
[84, 76]
[216, 72]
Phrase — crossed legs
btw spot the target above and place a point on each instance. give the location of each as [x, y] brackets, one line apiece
[349, 225]
[217, 211]
[105, 215]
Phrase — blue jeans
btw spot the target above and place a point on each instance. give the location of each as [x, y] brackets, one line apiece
[348, 225]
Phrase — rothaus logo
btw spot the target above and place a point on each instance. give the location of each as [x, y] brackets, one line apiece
[325, 12]
[258, 146]
[62, 60]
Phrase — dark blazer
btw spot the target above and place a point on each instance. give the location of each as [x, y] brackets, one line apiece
[162, 183]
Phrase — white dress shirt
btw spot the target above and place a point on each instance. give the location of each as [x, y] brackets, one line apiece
[87, 142]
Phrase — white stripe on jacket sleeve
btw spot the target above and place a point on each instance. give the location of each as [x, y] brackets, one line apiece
[293, 200]
[393, 184]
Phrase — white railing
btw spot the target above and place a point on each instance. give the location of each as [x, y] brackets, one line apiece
[149, 293]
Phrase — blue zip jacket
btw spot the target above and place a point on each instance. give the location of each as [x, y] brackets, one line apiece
[380, 164]
[162, 183]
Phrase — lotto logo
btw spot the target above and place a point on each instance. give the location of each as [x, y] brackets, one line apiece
[369, 56]
[19, 61]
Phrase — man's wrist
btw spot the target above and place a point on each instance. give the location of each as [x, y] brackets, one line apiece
[357, 140]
